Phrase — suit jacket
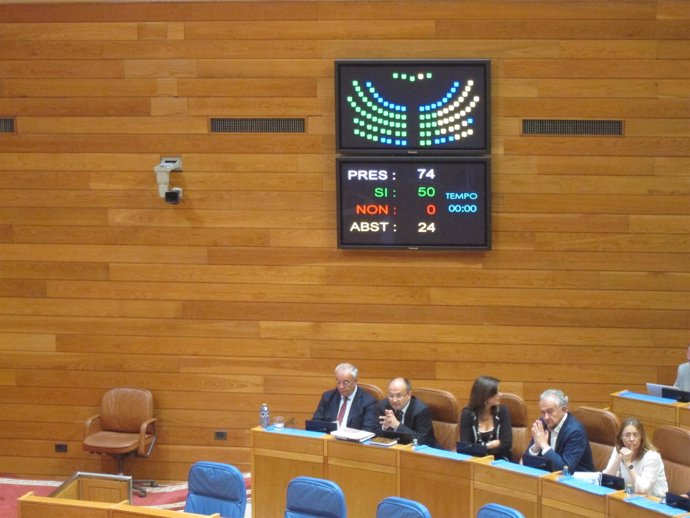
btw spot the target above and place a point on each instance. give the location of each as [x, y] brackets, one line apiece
[683, 377]
[572, 448]
[503, 431]
[362, 414]
[417, 421]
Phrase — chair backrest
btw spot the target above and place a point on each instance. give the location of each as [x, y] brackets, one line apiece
[498, 511]
[445, 413]
[601, 427]
[216, 488]
[373, 390]
[309, 497]
[125, 409]
[673, 444]
[396, 507]
[518, 419]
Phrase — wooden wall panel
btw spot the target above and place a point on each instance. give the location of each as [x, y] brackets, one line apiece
[238, 295]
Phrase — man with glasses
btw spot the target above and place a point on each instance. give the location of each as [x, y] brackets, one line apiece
[402, 412]
[346, 405]
[558, 436]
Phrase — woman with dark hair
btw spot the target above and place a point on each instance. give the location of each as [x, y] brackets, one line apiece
[636, 460]
[485, 422]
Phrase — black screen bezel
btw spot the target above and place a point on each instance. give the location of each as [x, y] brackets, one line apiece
[417, 149]
[486, 161]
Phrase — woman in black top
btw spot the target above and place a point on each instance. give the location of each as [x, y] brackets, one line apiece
[484, 421]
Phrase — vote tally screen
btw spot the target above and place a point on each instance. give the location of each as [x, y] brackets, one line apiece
[424, 106]
[406, 202]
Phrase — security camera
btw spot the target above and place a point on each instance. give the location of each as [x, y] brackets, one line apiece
[163, 170]
[173, 196]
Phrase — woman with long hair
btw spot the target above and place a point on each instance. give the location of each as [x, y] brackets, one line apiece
[485, 421]
[637, 461]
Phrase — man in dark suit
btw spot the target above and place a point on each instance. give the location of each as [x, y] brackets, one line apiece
[402, 412]
[346, 404]
[558, 436]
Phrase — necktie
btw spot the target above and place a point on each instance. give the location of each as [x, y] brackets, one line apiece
[341, 412]
[399, 415]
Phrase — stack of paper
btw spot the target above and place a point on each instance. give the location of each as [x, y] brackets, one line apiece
[350, 434]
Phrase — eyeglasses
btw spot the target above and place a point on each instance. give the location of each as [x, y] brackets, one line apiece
[345, 383]
[633, 435]
[397, 396]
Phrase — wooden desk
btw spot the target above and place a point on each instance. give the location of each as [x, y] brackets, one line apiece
[131, 511]
[443, 485]
[31, 506]
[652, 414]
[684, 417]
[366, 474]
[618, 508]
[277, 458]
[559, 500]
[513, 488]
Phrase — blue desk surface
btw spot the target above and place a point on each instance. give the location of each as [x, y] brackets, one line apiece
[519, 468]
[647, 397]
[586, 486]
[294, 431]
[642, 501]
[427, 450]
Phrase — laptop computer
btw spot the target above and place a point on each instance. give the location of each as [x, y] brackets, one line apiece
[681, 396]
[655, 389]
[316, 425]
[681, 502]
[403, 437]
[470, 448]
[535, 461]
[612, 481]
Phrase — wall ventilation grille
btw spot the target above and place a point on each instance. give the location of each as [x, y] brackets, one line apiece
[571, 127]
[275, 125]
[6, 124]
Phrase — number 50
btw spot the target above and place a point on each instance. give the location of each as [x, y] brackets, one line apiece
[426, 192]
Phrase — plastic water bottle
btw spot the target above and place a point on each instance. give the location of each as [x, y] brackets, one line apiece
[566, 472]
[415, 443]
[629, 490]
[264, 415]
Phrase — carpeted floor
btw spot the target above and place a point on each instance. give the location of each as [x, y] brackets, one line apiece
[164, 497]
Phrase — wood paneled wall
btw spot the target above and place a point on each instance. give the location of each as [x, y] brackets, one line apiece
[239, 295]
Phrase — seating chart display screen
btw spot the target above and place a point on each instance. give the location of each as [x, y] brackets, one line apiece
[420, 202]
[413, 106]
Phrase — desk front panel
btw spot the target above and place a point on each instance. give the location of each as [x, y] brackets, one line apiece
[444, 486]
[517, 490]
[276, 460]
[366, 474]
[562, 501]
[684, 417]
[653, 415]
[618, 508]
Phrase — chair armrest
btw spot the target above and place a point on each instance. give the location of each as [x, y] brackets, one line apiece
[89, 422]
[143, 451]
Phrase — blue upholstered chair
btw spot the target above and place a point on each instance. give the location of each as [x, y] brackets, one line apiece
[216, 488]
[498, 511]
[309, 497]
[396, 507]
